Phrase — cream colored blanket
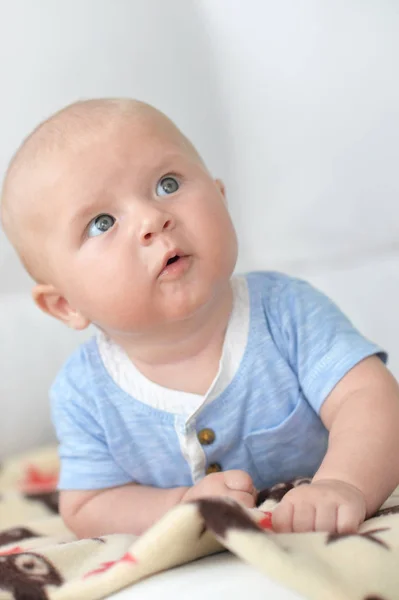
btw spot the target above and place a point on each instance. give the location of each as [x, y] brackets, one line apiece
[41, 560]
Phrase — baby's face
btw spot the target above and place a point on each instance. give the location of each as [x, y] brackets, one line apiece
[137, 232]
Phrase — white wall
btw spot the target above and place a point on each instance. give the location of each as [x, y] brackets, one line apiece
[294, 103]
[311, 97]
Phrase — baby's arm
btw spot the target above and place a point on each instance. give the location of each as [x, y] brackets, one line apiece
[361, 467]
[132, 508]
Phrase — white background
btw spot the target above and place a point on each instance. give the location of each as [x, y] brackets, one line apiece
[295, 104]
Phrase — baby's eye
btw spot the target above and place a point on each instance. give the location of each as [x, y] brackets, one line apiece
[100, 225]
[167, 185]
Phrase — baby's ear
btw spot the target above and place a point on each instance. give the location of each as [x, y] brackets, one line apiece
[221, 188]
[50, 301]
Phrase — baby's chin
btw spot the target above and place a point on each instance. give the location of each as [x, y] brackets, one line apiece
[184, 302]
[172, 315]
[168, 305]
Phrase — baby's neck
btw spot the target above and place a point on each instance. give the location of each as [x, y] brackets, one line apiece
[188, 357]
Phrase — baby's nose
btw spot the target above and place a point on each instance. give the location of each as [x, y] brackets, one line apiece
[153, 224]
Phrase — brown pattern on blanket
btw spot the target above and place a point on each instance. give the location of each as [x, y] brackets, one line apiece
[277, 492]
[223, 516]
[25, 575]
[391, 510]
[41, 560]
[49, 499]
[16, 534]
[368, 535]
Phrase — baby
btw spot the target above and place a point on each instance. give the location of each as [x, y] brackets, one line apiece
[197, 383]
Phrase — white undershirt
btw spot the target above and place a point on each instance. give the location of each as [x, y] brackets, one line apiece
[184, 405]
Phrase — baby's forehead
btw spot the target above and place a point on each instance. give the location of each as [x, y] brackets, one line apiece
[149, 139]
[122, 159]
[91, 133]
[108, 161]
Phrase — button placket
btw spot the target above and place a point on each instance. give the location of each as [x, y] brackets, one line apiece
[206, 436]
[213, 468]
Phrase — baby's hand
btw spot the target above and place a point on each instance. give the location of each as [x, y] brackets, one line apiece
[237, 485]
[325, 505]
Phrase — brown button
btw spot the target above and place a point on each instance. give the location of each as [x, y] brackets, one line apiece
[206, 436]
[213, 468]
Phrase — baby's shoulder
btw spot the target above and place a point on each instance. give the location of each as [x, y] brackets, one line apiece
[79, 370]
[276, 288]
[269, 281]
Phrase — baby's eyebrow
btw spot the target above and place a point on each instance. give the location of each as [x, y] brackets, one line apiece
[167, 161]
[83, 213]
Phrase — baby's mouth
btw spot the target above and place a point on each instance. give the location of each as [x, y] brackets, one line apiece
[172, 260]
[171, 263]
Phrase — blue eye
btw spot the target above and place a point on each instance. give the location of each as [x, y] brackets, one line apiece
[100, 225]
[167, 185]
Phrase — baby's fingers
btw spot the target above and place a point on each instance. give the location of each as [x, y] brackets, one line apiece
[282, 517]
[239, 481]
[243, 498]
[304, 517]
[326, 518]
[349, 519]
[295, 517]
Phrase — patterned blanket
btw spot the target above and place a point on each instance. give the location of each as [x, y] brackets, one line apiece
[41, 560]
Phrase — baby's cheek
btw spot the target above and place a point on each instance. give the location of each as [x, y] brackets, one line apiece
[115, 302]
